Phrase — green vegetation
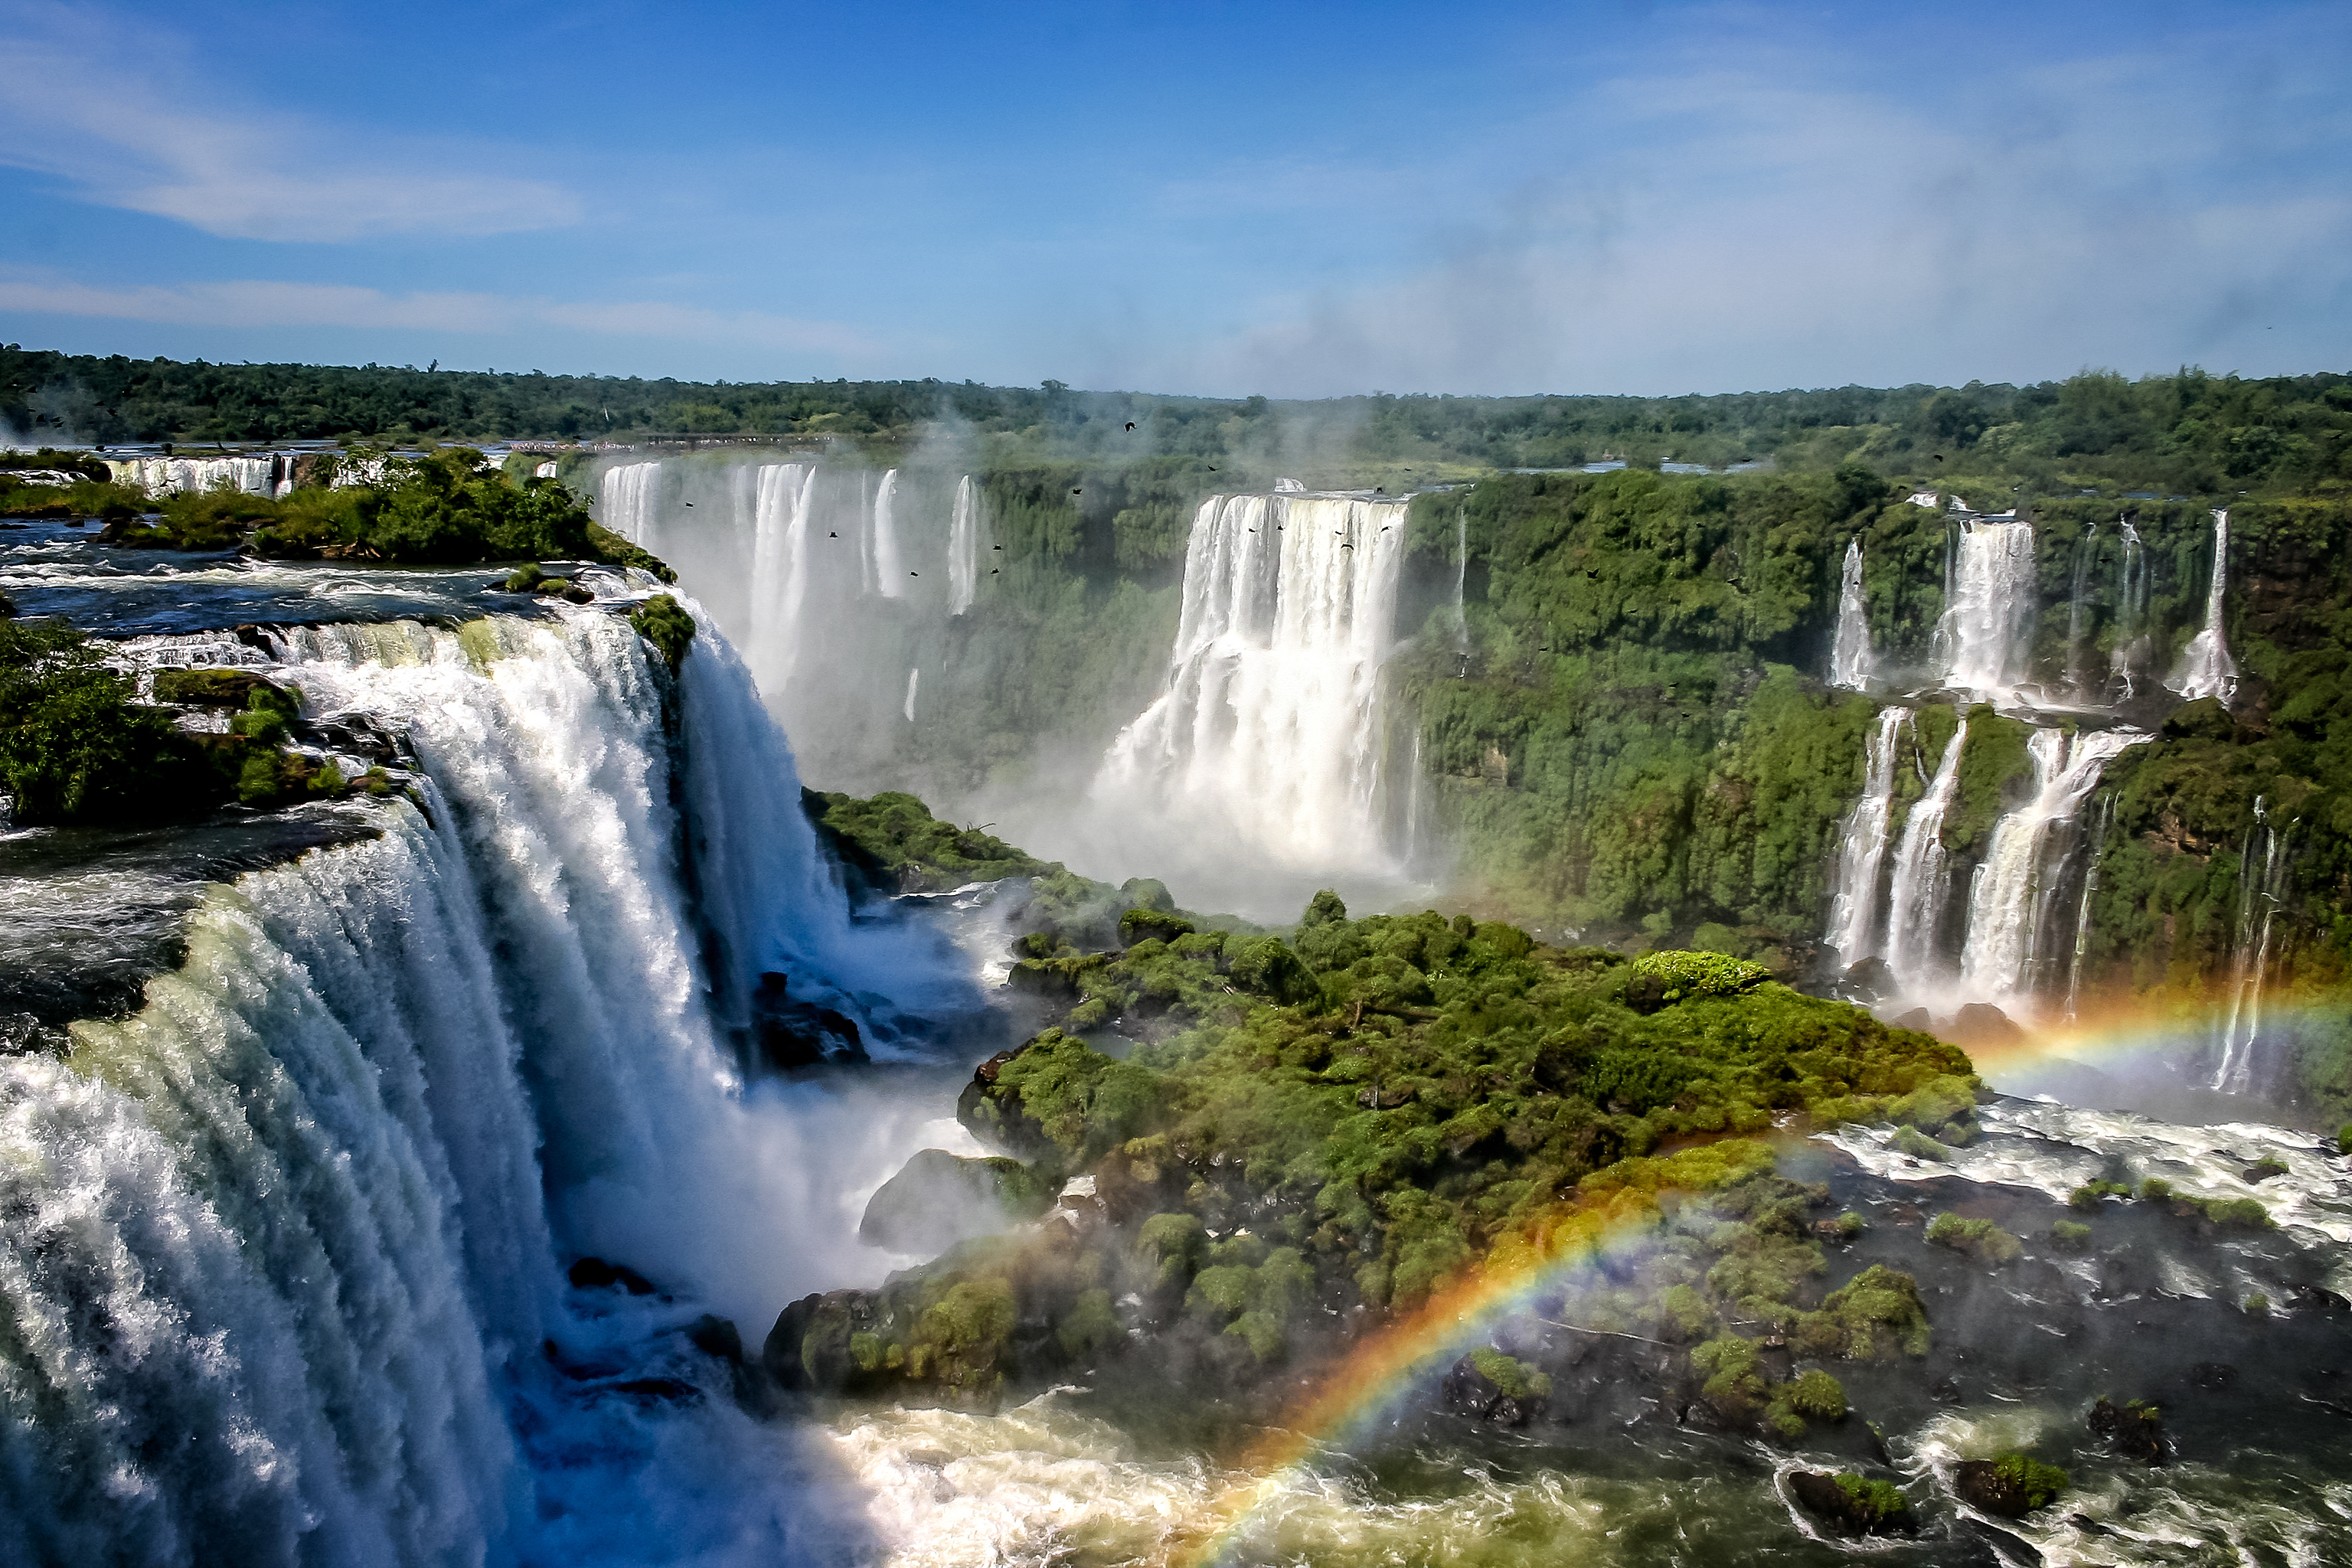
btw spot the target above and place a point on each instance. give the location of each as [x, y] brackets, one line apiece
[663, 622]
[1979, 1239]
[1876, 1502]
[1516, 1379]
[2039, 1484]
[77, 747]
[2070, 1236]
[1371, 1110]
[2090, 1194]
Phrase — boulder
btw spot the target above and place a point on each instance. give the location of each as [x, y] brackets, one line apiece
[1918, 1018]
[792, 1033]
[2133, 1429]
[1980, 1023]
[939, 1199]
[1849, 1505]
[2007, 1488]
[808, 1351]
[215, 688]
[1488, 1386]
[1869, 982]
[595, 1274]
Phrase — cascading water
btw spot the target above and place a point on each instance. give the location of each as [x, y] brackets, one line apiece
[1461, 574]
[1862, 846]
[1916, 898]
[2009, 897]
[2260, 896]
[1269, 730]
[269, 474]
[780, 549]
[2096, 841]
[964, 548]
[2130, 655]
[1852, 662]
[2206, 668]
[2078, 607]
[628, 503]
[889, 567]
[282, 1247]
[1988, 618]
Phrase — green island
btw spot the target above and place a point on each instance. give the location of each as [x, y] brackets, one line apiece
[1295, 1136]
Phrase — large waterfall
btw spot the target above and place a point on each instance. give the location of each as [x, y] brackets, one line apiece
[1988, 618]
[2260, 894]
[1914, 913]
[268, 474]
[2206, 668]
[1850, 659]
[1268, 736]
[1862, 852]
[2009, 901]
[281, 1276]
[836, 582]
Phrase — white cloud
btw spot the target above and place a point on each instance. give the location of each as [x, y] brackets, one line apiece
[1739, 218]
[121, 127]
[256, 303]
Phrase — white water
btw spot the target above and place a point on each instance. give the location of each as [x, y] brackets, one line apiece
[1268, 735]
[1862, 848]
[2206, 668]
[281, 1248]
[1914, 903]
[1988, 621]
[1852, 662]
[2130, 653]
[780, 547]
[628, 503]
[269, 474]
[2259, 900]
[889, 566]
[2009, 897]
[964, 548]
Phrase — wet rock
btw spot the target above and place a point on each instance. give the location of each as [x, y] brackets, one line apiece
[659, 1391]
[808, 1351]
[2262, 1171]
[1373, 1097]
[215, 688]
[939, 1199]
[1849, 1505]
[717, 1338]
[2316, 1298]
[1946, 1391]
[2134, 1429]
[595, 1274]
[1490, 1386]
[2213, 1375]
[792, 1033]
[1869, 982]
[1979, 1025]
[2004, 1488]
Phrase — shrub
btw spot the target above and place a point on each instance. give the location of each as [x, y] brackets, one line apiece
[2069, 1235]
[2248, 1213]
[1516, 1379]
[1919, 1145]
[74, 747]
[1978, 1237]
[1687, 975]
[2039, 1484]
[1874, 1502]
[1818, 1395]
[1849, 1225]
[663, 622]
[2090, 1194]
[2155, 1189]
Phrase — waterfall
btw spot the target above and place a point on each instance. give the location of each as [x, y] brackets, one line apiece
[2086, 552]
[2207, 668]
[2130, 651]
[1916, 899]
[2095, 841]
[1269, 728]
[1851, 660]
[2259, 898]
[912, 676]
[2008, 897]
[780, 547]
[1461, 574]
[1988, 620]
[628, 503]
[260, 476]
[964, 548]
[1862, 848]
[889, 570]
[278, 1253]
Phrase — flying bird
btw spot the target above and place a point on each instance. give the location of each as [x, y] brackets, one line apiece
[996, 547]
[833, 536]
[1130, 423]
[690, 504]
[1077, 492]
[914, 573]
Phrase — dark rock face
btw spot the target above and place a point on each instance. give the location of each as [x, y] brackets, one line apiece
[1846, 1512]
[1980, 1024]
[595, 1274]
[1474, 1393]
[939, 1199]
[1867, 982]
[808, 1351]
[1983, 1487]
[2213, 1375]
[2134, 1430]
[792, 1033]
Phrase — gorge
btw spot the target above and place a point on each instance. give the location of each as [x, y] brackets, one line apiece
[472, 1166]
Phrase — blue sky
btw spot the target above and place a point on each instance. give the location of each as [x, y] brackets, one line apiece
[1296, 200]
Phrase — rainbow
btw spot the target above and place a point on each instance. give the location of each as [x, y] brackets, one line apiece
[1610, 1213]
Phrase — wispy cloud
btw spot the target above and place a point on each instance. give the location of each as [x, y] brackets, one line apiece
[262, 304]
[1740, 217]
[122, 127]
